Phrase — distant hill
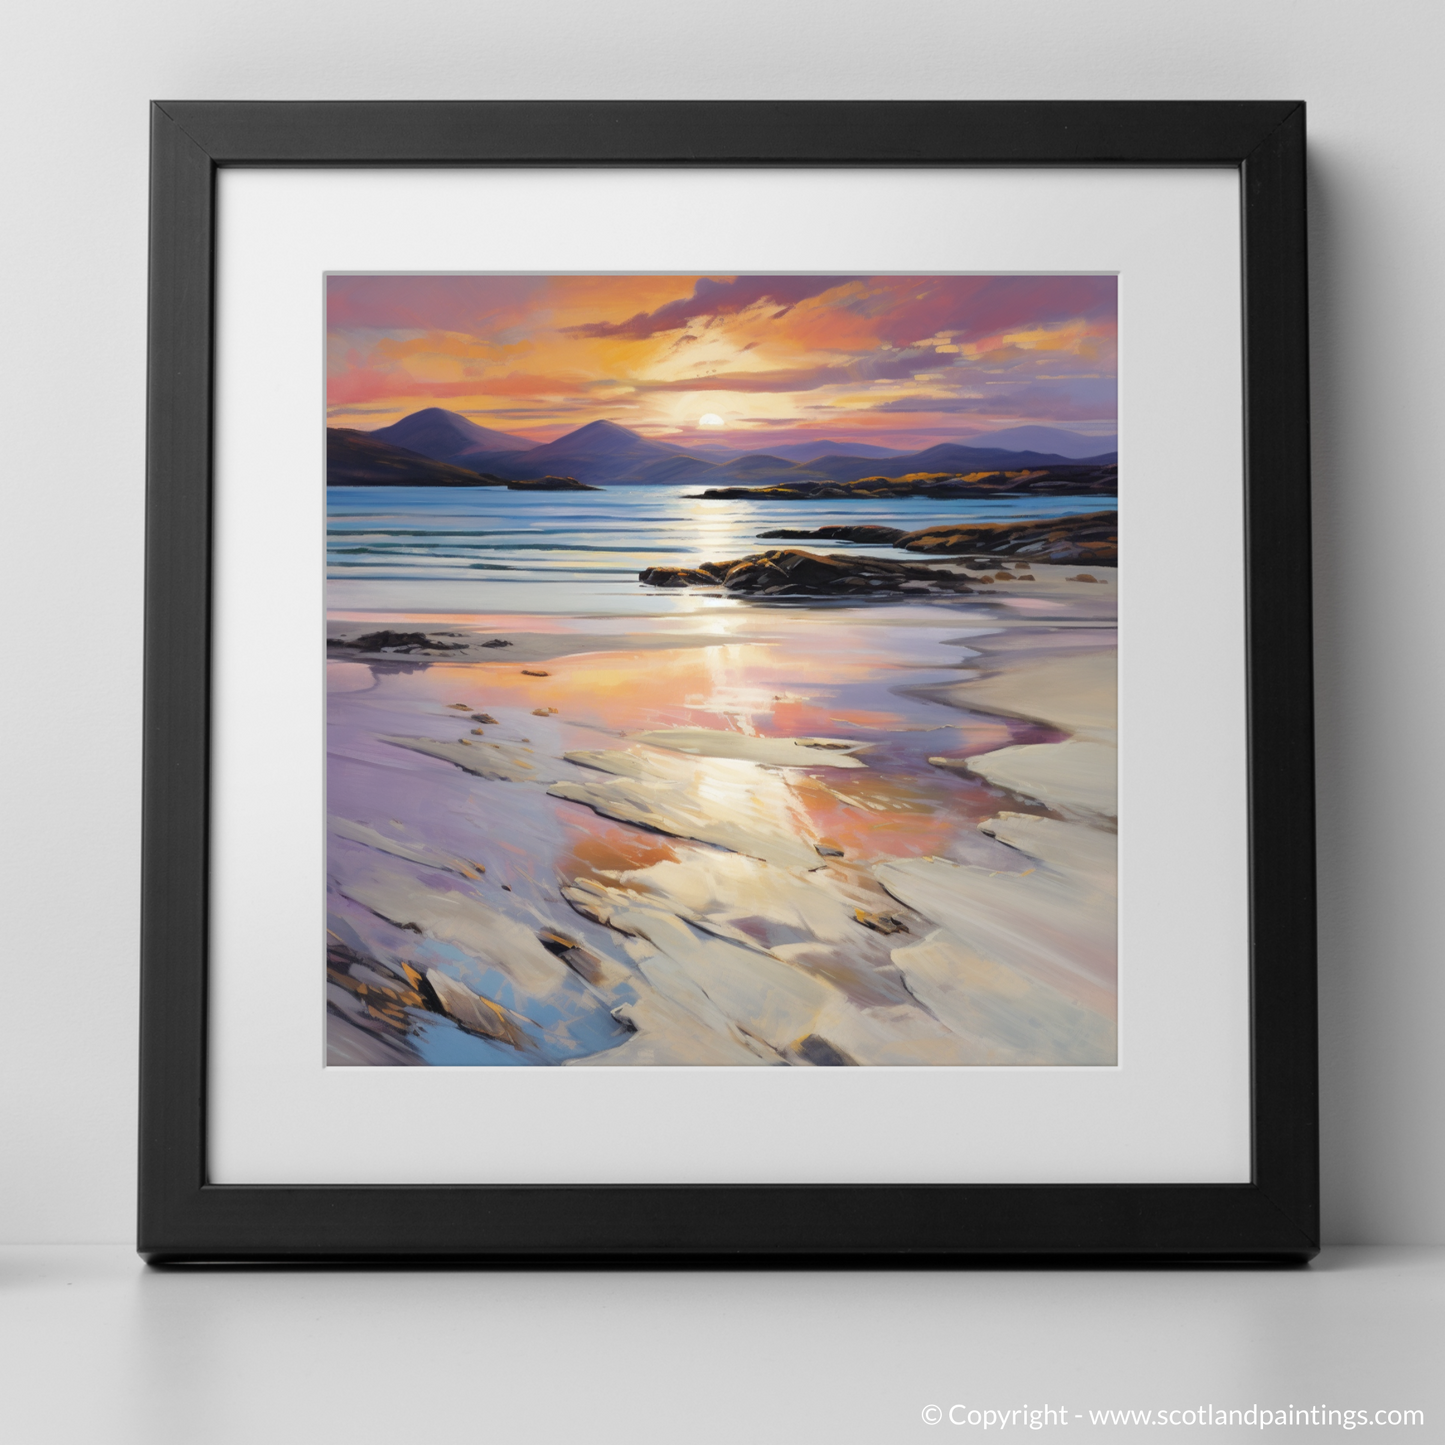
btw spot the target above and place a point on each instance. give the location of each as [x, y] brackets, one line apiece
[604, 453]
[947, 456]
[1068, 480]
[760, 467]
[1071, 444]
[676, 468]
[357, 459]
[601, 451]
[794, 451]
[445, 436]
[808, 451]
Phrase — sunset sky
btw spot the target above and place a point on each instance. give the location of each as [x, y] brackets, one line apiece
[896, 360]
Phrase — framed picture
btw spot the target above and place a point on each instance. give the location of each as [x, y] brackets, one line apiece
[651, 750]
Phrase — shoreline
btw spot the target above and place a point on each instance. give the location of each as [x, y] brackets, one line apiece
[827, 896]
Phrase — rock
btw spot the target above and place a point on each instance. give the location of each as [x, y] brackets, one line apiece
[543, 711]
[551, 484]
[475, 1014]
[676, 577]
[792, 572]
[387, 641]
[484, 717]
[880, 922]
[1089, 537]
[866, 532]
[820, 1053]
[1083, 577]
[587, 965]
[461, 706]
[479, 732]
[379, 1001]
[827, 850]
[534, 672]
[496, 642]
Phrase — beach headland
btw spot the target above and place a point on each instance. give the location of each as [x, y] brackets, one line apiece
[1049, 481]
[1089, 537]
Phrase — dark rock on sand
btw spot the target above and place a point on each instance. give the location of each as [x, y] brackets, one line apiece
[377, 1005]
[880, 922]
[816, 1050]
[866, 532]
[396, 642]
[791, 572]
[1089, 537]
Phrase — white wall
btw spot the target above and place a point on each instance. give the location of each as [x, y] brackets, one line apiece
[74, 82]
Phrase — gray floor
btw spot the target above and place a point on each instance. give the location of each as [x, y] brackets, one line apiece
[95, 1348]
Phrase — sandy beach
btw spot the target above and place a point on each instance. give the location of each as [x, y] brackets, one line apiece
[741, 833]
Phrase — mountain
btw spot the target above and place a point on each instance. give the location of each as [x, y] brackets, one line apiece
[1062, 443]
[945, 457]
[716, 451]
[605, 453]
[447, 437]
[601, 451]
[758, 468]
[357, 459]
[794, 451]
[679, 468]
[808, 451]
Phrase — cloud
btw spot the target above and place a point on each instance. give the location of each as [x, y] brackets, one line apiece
[715, 298]
[907, 310]
[476, 304]
[1045, 404]
[825, 351]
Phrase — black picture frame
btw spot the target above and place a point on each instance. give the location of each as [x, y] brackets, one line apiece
[183, 1217]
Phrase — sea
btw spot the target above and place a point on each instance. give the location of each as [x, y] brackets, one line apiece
[426, 550]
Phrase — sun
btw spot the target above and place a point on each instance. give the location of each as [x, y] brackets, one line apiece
[711, 419]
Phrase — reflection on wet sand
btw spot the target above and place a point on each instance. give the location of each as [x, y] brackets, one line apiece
[798, 837]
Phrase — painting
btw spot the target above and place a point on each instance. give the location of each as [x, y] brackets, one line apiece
[721, 670]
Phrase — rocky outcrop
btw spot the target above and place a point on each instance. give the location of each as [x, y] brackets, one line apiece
[1052, 481]
[552, 484]
[1092, 537]
[358, 459]
[388, 641]
[792, 572]
[867, 532]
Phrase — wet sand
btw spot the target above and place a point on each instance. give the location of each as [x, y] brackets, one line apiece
[738, 835]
